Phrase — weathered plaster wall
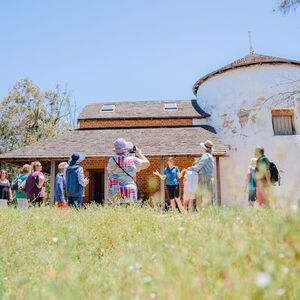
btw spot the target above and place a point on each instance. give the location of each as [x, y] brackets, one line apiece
[240, 103]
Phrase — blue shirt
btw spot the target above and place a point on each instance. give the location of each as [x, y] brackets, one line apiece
[60, 185]
[205, 165]
[251, 185]
[171, 174]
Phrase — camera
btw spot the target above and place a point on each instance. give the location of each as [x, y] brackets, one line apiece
[133, 149]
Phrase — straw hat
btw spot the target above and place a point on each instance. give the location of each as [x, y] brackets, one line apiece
[207, 145]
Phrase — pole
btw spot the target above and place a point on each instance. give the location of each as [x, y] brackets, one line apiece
[218, 180]
[52, 180]
[162, 186]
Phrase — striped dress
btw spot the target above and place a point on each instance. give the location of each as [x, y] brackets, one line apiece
[122, 189]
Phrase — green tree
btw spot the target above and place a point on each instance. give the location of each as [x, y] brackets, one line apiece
[286, 5]
[28, 114]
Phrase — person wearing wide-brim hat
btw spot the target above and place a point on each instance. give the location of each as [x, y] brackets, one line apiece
[205, 168]
[122, 168]
[75, 180]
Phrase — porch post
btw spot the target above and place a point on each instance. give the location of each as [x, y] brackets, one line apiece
[52, 180]
[218, 180]
[105, 183]
[162, 185]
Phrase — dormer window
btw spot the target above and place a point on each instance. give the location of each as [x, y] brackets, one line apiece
[108, 107]
[171, 106]
[283, 121]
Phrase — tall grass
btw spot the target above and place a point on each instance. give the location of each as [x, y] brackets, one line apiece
[134, 253]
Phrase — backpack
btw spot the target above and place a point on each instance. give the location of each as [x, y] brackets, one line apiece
[275, 176]
[19, 185]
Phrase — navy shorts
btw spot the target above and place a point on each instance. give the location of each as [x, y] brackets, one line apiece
[252, 195]
[173, 191]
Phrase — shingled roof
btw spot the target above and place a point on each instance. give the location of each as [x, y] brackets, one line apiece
[98, 143]
[143, 110]
[246, 61]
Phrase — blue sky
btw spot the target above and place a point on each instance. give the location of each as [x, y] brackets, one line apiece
[135, 49]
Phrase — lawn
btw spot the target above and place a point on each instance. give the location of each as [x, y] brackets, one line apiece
[138, 253]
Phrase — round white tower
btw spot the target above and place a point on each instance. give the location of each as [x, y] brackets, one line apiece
[254, 101]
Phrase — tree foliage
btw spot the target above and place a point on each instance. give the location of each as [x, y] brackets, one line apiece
[28, 114]
[286, 5]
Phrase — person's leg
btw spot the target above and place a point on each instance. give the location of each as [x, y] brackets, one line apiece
[71, 202]
[37, 201]
[173, 205]
[186, 199]
[260, 195]
[177, 199]
[40, 201]
[179, 204]
[251, 197]
[185, 203]
[191, 205]
[171, 195]
[79, 202]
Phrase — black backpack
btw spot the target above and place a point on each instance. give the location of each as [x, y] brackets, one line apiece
[275, 176]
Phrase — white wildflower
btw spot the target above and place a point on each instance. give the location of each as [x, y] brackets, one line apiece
[152, 296]
[294, 207]
[5, 278]
[280, 292]
[147, 279]
[55, 239]
[138, 266]
[180, 228]
[130, 268]
[263, 279]
[285, 270]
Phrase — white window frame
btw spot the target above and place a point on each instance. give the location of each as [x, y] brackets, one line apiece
[170, 106]
[282, 117]
[108, 107]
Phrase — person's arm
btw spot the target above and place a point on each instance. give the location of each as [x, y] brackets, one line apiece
[83, 181]
[268, 177]
[162, 177]
[200, 163]
[180, 174]
[41, 181]
[10, 192]
[145, 162]
[247, 182]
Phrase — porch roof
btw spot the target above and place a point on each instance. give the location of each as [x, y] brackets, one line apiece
[98, 143]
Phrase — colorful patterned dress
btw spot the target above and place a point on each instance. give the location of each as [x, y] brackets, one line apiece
[122, 189]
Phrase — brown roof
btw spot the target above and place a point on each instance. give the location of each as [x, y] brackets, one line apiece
[143, 110]
[152, 141]
[246, 61]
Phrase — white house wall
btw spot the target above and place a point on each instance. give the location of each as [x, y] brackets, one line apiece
[240, 103]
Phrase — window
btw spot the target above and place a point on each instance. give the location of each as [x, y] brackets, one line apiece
[108, 107]
[171, 106]
[283, 121]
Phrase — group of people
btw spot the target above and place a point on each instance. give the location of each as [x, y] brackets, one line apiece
[128, 160]
[259, 180]
[122, 168]
[30, 185]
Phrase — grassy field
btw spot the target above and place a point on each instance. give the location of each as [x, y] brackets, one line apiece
[133, 253]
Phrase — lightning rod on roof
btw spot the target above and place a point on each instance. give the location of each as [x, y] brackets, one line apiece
[251, 50]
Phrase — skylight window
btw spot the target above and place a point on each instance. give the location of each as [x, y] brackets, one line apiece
[108, 107]
[171, 106]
